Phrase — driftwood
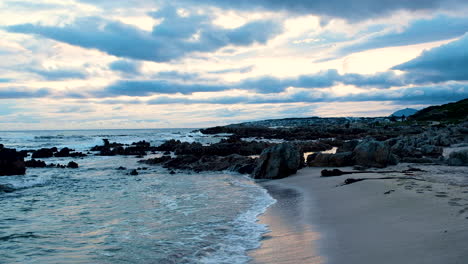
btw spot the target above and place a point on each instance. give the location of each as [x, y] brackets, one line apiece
[337, 172]
[353, 180]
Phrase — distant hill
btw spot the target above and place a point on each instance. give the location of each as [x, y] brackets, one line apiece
[452, 112]
[404, 112]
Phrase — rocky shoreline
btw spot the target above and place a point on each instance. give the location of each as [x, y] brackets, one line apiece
[274, 149]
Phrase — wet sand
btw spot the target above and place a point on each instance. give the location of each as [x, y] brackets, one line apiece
[373, 221]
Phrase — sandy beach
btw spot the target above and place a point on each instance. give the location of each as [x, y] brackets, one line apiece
[372, 221]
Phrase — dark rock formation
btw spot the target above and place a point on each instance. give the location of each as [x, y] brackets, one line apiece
[232, 162]
[44, 153]
[134, 172]
[112, 149]
[348, 146]
[66, 152]
[226, 147]
[35, 163]
[278, 162]
[72, 165]
[458, 158]
[372, 153]
[11, 162]
[332, 160]
[332, 173]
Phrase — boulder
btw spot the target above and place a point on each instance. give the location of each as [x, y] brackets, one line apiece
[278, 162]
[332, 160]
[72, 165]
[372, 153]
[44, 153]
[66, 152]
[348, 146]
[458, 158]
[11, 162]
[35, 163]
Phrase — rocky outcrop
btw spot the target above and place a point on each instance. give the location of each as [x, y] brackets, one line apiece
[348, 146]
[112, 149]
[66, 152]
[332, 160]
[35, 164]
[44, 153]
[225, 147]
[458, 158]
[372, 153]
[11, 162]
[233, 162]
[72, 165]
[278, 162]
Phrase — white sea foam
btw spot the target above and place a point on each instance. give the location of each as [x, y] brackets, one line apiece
[246, 233]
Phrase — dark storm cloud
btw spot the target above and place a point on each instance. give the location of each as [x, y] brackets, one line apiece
[444, 63]
[174, 38]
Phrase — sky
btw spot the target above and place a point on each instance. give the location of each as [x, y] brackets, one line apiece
[96, 64]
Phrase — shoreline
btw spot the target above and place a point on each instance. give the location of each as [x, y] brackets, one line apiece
[374, 221]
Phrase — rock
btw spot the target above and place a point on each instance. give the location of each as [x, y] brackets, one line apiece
[458, 158]
[121, 168]
[134, 172]
[66, 152]
[420, 160]
[432, 151]
[11, 162]
[372, 153]
[72, 165]
[348, 146]
[195, 163]
[44, 153]
[311, 158]
[332, 160]
[278, 162]
[35, 163]
[172, 172]
[155, 161]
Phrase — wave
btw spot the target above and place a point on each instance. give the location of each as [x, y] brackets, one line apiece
[247, 232]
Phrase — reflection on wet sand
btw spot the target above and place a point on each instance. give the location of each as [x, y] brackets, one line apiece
[292, 239]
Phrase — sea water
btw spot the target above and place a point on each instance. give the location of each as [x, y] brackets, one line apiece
[98, 214]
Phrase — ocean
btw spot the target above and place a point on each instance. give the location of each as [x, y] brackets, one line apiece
[98, 214]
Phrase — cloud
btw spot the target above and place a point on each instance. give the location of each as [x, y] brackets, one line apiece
[437, 28]
[264, 84]
[245, 69]
[421, 94]
[444, 63]
[350, 10]
[175, 37]
[176, 75]
[74, 110]
[22, 92]
[149, 87]
[126, 67]
[58, 74]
